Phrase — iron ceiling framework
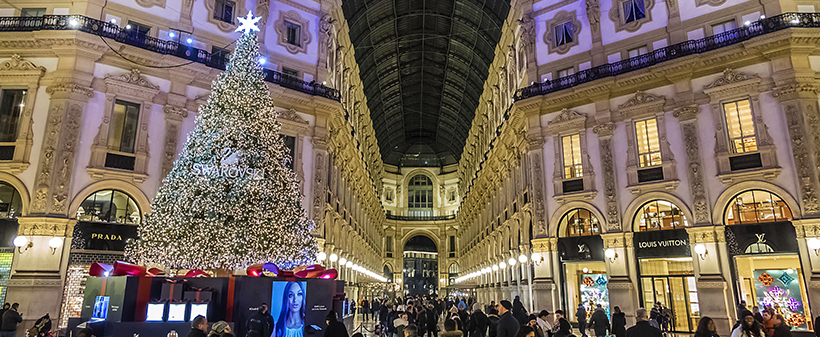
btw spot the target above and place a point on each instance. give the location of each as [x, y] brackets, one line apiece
[423, 64]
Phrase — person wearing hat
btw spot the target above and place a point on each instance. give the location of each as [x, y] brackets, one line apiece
[220, 329]
[478, 322]
[507, 324]
[334, 327]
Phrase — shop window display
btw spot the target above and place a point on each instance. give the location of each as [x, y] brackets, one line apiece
[580, 222]
[659, 215]
[752, 207]
[110, 206]
[586, 284]
[776, 282]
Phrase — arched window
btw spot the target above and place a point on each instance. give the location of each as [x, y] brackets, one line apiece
[580, 222]
[757, 206]
[420, 196]
[110, 206]
[10, 202]
[453, 268]
[659, 215]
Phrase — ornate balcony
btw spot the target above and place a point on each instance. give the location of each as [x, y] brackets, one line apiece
[132, 38]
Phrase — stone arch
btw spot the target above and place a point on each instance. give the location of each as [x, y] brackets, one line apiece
[421, 232]
[632, 209]
[555, 219]
[730, 192]
[20, 186]
[131, 190]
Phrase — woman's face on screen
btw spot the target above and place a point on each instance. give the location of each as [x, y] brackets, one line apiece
[295, 297]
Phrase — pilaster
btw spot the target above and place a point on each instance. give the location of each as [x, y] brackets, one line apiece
[713, 274]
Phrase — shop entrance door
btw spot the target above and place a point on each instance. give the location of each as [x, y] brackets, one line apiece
[678, 293]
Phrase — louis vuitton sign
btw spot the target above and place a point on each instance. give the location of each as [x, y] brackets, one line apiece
[665, 243]
[581, 248]
[775, 237]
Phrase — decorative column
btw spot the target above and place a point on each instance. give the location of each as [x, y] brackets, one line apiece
[173, 120]
[320, 167]
[546, 295]
[39, 273]
[613, 217]
[688, 121]
[809, 230]
[712, 272]
[620, 267]
[799, 103]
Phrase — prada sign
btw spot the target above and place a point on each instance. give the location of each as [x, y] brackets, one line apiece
[775, 237]
[581, 248]
[102, 236]
[665, 243]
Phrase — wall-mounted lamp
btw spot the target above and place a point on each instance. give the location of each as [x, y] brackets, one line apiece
[700, 249]
[511, 262]
[342, 261]
[334, 257]
[522, 258]
[321, 256]
[54, 244]
[495, 267]
[441, 280]
[611, 254]
[20, 242]
[349, 264]
[814, 244]
[502, 265]
[537, 258]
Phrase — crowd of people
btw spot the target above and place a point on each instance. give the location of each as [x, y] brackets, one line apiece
[419, 316]
[463, 317]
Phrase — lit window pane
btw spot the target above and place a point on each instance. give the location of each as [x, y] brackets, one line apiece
[648, 143]
[740, 126]
[573, 166]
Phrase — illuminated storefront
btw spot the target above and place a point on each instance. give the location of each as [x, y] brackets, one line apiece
[106, 220]
[763, 246]
[665, 269]
[582, 260]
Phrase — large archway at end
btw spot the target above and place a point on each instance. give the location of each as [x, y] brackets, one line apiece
[420, 266]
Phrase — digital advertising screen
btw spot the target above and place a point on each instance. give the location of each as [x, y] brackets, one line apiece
[155, 312]
[100, 312]
[176, 312]
[198, 309]
[288, 308]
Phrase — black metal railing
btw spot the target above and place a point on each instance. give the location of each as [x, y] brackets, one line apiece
[133, 38]
[691, 47]
[420, 217]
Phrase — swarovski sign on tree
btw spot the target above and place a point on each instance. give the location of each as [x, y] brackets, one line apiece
[230, 200]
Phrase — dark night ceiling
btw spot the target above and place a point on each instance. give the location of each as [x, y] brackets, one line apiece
[423, 64]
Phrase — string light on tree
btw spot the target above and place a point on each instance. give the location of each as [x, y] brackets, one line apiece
[230, 200]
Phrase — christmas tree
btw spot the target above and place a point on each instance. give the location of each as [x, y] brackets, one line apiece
[230, 200]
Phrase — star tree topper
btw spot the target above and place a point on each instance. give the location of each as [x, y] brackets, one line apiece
[248, 23]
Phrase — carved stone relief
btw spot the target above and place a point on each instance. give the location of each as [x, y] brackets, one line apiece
[604, 132]
[802, 157]
[695, 172]
[151, 3]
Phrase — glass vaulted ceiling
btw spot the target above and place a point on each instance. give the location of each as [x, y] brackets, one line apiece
[423, 64]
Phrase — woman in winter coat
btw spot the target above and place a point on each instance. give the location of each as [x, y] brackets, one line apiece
[618, 322]
[748, 327]
[599, 322]
[706, 328]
